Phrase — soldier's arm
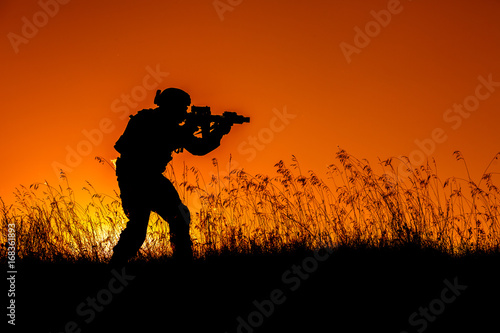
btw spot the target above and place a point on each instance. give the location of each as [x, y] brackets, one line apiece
[204, 145]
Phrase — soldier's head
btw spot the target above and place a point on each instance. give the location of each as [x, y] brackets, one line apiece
[173, 100]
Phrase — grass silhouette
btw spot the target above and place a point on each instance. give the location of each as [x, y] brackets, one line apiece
[393, 239]
[243, 213]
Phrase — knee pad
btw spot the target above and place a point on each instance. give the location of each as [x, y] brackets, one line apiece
[179, 224]
[184, 215]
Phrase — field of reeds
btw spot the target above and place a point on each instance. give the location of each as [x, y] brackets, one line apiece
[243, 213]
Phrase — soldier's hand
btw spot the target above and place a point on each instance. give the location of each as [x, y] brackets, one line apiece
[224, 128]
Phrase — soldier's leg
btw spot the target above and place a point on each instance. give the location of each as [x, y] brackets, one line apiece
[171, 209]
[178, 221]
[137, 209]
[132, 236]
[135, 193]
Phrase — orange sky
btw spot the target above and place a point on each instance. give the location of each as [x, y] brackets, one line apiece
[302, 71]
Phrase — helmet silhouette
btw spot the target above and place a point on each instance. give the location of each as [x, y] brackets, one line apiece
[172, 96]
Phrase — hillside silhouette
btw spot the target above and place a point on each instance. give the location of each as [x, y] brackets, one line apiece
[353, 290]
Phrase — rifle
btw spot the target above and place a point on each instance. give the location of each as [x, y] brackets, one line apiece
[201, 117]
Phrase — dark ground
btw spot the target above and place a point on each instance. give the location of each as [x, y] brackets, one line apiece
[363, 290]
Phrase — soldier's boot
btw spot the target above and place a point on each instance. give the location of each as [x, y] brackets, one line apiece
[130, 242]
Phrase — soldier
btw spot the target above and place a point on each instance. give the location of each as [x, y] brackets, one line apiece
[145, 148]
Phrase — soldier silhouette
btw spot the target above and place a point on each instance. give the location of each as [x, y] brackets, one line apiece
[145, 148]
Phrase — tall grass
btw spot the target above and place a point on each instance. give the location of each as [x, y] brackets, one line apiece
[240, 212]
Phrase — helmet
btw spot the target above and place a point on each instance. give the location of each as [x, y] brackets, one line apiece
[172, 96]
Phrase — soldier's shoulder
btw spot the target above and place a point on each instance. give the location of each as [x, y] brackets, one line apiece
[144, 113]
[147, 111]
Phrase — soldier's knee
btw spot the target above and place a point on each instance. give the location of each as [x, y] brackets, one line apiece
[133, 236]
[184, 214]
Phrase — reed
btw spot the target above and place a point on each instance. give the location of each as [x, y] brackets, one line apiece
[242, 213]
